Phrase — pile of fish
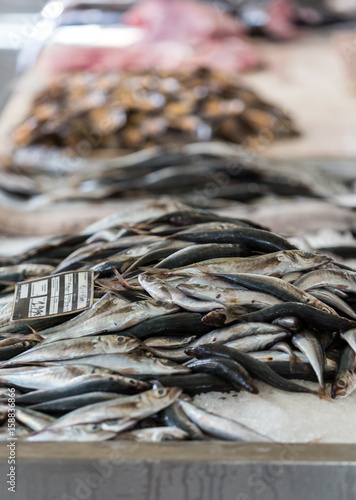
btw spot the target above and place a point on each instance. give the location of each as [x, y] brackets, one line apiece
[132, 110]
[186, 302]
[199, 173]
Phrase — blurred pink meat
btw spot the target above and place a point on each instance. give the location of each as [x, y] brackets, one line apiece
[177, 34]
[182, 20]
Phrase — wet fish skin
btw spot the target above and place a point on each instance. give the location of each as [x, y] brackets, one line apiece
[350, 337]
[255, 367]
[256, 239]
[71, 403]
[35, 420]
[344, 382]
[76, 348]
[336, 278]
[220, 427]
[76, 433]
[136, 407]
[276, 287]
[45, 377]
[163, 291]
[117, 320]
[257, 342]
[228, 369]
[174, 416]
[313, 316]
[197, 253]
[136, 363]
[308, 343]
[84, 384]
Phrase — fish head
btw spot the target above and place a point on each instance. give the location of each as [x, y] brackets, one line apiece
[155, 287]
[124, 342]
[163, 395]
[344, 385]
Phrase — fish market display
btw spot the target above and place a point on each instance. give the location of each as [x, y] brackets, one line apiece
[186, 302]
[135, 110]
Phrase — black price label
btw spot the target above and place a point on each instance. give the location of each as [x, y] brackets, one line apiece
[56, 295]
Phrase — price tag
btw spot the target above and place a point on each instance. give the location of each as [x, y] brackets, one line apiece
[56, 295]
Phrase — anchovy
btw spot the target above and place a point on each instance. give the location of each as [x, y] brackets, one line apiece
[333, 300]
[129, 407]
[274, 264]
[350, 337]
[174, 416]
[131, 364]
[163, 291]
[116, 320]
[84, 384]
[313, 316]
[197, 253]
[227, 369]
[77, 433]
[71, 403]
[255, 367]
[76, 349]
[220, 427]
[257, 342]
[343, 280]
[307, 342]
[35, 420]
[276, 287]
[45, 377]
[256, 239]
[229, 296]
[344, 382]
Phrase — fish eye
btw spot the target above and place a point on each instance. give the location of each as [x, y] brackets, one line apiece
[161, 392]
[341, 383]
[95, 427]
[132, 381]
[120, 338]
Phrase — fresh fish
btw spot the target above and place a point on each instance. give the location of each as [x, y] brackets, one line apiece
[230, 370]
[71, 403]
[131, 364]
[136, 407]
[220, 427]
[169, 342]
[116, 320]
[229, 296]
[76, 348]
[163, 291]
[255, 367]
[45, 377]
[308, 342]
[257, 342]
[344, 382]
[350, 337]
[196, 253]
[34, 420]
[336, 278]
[311, 315]
[274, 264]
[174, 416]
[276, 287]
[256, 239]
[76, 433]
[334, 301]
[84, 384]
